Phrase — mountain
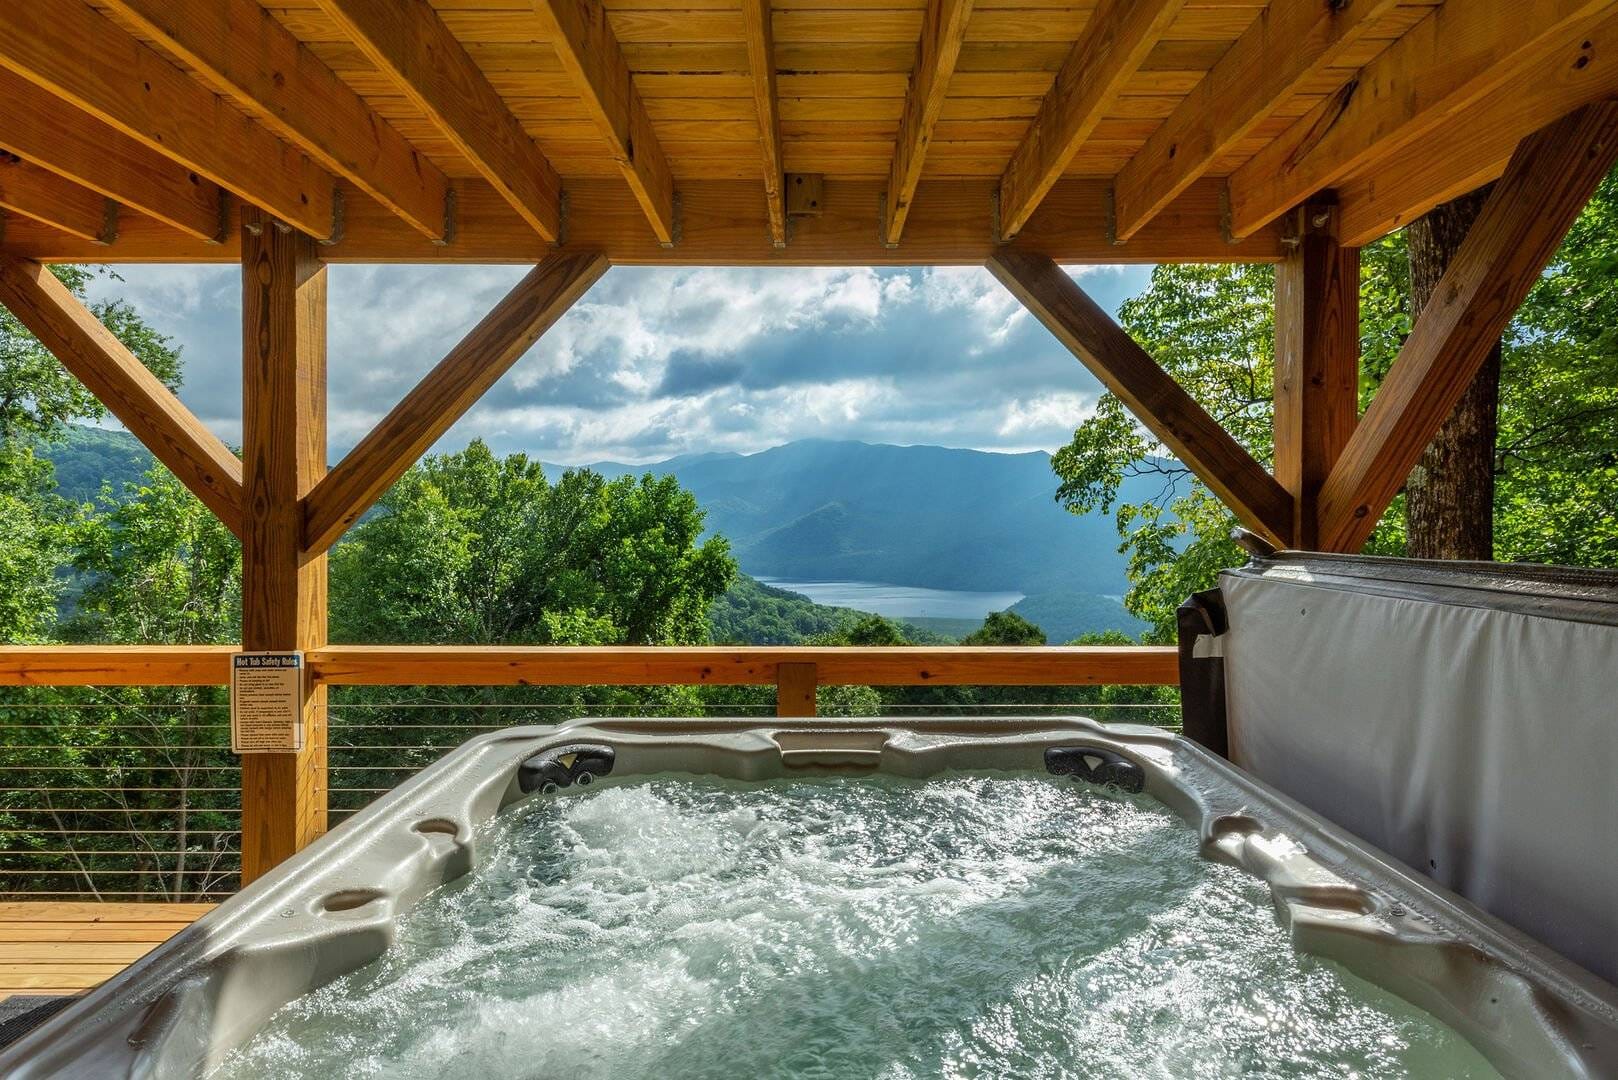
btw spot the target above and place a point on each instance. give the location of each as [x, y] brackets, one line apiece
[87, 457]
[821, 510]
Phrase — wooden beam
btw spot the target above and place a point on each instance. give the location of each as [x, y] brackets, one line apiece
[795, 685]
[409, 43]
[123, 384]
[610, 665]
[1115, 42]
[943, 29]
[34, 192]
[42, 128]
[83, 57]
[1446, 62]
[1473, 147]
[115, 665]
[1550, 178]
[1159, 402]
[653, 665]
[247, 55]
[1317, 360]
[589, 52]
[463, 376]
[724, 223]
[283, 586]
[1290, 43]
[761, 65]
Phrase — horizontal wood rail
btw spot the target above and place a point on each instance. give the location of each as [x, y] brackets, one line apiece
[720, 665]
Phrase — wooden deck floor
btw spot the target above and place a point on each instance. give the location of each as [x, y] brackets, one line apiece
[67, 948]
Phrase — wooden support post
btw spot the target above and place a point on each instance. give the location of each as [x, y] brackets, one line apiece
[1317, 360]
[284, 455]
[1551, 177]
[795, 689]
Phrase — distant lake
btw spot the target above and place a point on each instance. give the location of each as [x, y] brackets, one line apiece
[900, 601]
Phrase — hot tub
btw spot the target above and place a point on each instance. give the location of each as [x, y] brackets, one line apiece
[196, 1004]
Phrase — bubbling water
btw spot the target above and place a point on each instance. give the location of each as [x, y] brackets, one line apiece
[967, 926]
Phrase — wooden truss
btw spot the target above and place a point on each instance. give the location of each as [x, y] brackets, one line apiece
[951, 132]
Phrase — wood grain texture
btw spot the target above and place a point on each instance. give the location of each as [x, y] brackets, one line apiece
[452, 665]
[83, 57]
[1159, 402]
[795, 684]
[284, 456]
[766, 101]
[1473, 147]
[1449, 60]
[42, 128]
[1291, 42]
[943, 30]
[652, 665]
[38, 193]
[1317, 361]
[725, 223]
[1548, 182]
[51, 947]
[115, 665]
[246, 54]
[1115, 42]
[589, 52]
[122, 383]
[464, 375]
[406, 40]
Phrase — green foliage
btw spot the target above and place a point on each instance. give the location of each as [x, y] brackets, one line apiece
[1212, 327]
[1005, 628]
[35, 527]
[471, 549]
[752, 613]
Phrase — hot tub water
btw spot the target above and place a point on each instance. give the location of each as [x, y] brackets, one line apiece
[966, 926]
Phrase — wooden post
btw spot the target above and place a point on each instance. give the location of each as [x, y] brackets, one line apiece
[795, 689]
[1317, 360]
[283, 456]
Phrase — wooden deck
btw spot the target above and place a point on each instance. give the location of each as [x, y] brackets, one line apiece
[67, 948]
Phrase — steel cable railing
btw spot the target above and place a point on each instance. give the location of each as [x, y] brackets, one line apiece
[108, 795]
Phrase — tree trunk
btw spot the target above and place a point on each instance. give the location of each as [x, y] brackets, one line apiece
[1449, 498]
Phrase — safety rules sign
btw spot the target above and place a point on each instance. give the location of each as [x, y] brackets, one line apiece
[266, 702]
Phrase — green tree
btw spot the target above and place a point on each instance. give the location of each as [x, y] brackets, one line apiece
[1005, 628]
[468, 548]
[1212, 327]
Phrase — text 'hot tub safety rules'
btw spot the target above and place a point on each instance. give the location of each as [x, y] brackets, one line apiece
[266, 702]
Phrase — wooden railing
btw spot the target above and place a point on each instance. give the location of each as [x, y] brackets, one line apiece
[541, 665]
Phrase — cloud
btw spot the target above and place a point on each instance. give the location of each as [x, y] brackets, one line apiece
[654, 362]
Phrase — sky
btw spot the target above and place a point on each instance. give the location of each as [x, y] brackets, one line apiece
[655, 362]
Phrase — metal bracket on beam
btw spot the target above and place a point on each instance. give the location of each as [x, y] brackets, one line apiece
[451, 205]
[805, 194]
[882, 220]
[994, 218]
[336, 236]
[109, 222]
[678, 216]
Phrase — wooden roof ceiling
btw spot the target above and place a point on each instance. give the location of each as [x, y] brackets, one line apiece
[675, 131]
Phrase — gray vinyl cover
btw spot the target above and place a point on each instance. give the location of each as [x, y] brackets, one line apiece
[1462, 717]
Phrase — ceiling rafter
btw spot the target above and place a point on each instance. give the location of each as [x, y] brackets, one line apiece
[246, 54]
[85, 58]
[1446, 62]
[591, 56]
[43, 129]
[1286, 46]
[761, 66]
[410, 44]
[38, 193]
[1115, 42]
[943, 29]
